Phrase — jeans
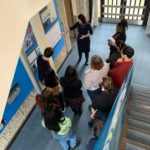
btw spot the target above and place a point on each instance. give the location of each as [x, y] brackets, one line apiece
[64, 139]
[92, 93]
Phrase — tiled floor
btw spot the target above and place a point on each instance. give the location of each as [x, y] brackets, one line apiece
[34, 137]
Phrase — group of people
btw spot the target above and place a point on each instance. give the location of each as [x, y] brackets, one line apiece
[102, 82]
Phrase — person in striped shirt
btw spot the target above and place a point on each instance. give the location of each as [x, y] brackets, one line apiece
[93, 76]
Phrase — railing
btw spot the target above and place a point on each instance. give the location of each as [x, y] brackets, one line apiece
[109, 138]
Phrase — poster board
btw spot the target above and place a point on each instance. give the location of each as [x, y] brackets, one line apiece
[48, 15]
[54, 35]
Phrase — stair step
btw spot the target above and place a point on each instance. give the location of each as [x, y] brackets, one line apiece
[140, 92]
[134, 94]
[133, 147]
[140, 97]
[139, 119]
[139, 136]
[139, 124]
[140, 88]
[137, 101]
[142, 116]
[139, 107]
[139, 130]
[127, 144]
[139, 145]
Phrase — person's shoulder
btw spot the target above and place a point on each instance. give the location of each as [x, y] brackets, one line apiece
[39, 58]
[88, 24]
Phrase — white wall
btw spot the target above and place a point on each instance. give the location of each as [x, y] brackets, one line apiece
[14, 18]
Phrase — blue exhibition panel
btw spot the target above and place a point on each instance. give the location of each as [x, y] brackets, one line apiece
[58, 47]
[22, 80]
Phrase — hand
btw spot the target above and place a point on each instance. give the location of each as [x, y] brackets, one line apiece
[62, 33]
[93, 113]
[82, 37]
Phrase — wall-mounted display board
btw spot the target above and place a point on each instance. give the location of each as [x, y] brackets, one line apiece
[48, 16]
[30, 48]
[54, 35]
[52, 27]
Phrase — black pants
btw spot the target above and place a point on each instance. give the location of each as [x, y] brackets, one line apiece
[86, 55]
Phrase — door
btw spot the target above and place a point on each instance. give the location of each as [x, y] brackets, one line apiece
[114, 10]
[69, 14]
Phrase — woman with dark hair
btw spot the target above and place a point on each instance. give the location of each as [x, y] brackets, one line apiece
[52, 81]
[43, 63]
[94, 75]
[60, 127]
[72, 90]
[115, 53]
[46, 98]
[121, 30]
[83, 39]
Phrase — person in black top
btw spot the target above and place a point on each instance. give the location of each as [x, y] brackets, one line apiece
[121, 30]
[83, 39]
[72, 90]
[43, 62]
[104, 99]
[51, 81]
[115, 53]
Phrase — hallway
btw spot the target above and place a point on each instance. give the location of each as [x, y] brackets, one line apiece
[34, 137]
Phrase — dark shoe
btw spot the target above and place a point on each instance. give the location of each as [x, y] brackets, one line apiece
[90, 124]
[79, 61]
[75, 113]
[86, 63]
[90, 107]
[80, 113]
[77, 144]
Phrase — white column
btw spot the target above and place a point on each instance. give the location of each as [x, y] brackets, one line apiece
[94, 21]
[148, 26]
[30, 72]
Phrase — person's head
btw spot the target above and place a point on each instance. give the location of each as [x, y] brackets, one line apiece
[48, 52]
[120, 44]
[82, 19]
[127, 52]
[97, 126]
[71, 73]
[96, 62]
[51, 77]
[107, 84]
[122, 26]
[47, 97]
[52, 117]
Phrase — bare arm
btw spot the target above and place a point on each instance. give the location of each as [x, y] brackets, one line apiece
[65, 32]
[85, 36]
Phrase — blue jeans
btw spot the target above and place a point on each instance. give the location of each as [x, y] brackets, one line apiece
[64, 139]
[92, 93]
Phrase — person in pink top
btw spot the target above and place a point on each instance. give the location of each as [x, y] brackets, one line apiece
[93, 76]
[122, 66]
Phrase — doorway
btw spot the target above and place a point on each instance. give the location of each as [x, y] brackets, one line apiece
[70, 18]
[114, 10]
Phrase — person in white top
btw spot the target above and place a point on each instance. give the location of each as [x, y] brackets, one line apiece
[93, 76]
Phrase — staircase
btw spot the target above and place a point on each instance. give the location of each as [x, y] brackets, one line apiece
[136, 132]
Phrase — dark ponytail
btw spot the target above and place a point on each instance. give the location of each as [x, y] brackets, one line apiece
[124, 24]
